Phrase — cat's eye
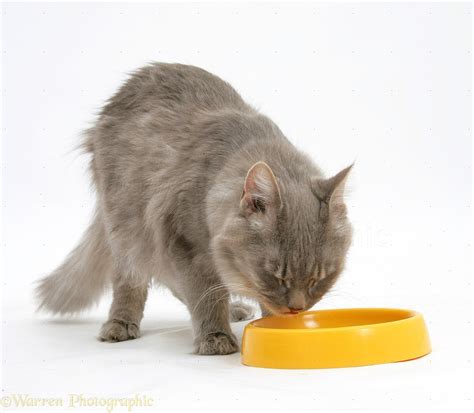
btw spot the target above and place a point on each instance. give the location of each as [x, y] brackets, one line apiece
[283, 281]
[312, 283]
[283, 288]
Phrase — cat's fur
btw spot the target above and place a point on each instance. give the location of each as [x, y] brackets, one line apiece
[202, 193]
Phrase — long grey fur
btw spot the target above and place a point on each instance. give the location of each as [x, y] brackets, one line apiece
[200, 192]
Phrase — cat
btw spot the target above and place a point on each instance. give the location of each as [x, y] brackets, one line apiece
[198, 191]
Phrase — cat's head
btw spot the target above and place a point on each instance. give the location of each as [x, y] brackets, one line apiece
[287, 244]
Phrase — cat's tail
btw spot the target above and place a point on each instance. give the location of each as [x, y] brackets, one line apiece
[81, 279]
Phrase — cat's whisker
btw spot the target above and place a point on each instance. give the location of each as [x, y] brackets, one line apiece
[209, 291]
[214, 290]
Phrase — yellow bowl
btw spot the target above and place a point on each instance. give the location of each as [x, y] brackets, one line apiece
[335, 338]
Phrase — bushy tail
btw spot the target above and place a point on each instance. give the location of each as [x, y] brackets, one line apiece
[82, 278]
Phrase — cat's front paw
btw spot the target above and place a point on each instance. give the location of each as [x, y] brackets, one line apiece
[217, 344]
[118, 330]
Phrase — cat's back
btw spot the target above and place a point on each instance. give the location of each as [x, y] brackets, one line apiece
[171, 87]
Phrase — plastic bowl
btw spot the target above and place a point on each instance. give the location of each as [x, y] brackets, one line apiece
[335, 338]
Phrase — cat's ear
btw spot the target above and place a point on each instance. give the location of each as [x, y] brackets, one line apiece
[331, 190]
[260, 194]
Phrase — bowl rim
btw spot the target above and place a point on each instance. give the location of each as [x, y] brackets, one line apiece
[411, 314]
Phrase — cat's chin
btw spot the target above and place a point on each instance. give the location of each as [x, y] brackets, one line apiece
[279, 311]
[288, 313]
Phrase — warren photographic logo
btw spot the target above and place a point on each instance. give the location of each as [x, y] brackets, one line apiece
[76, 401]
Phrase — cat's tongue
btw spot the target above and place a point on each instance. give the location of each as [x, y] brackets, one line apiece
[292, 312]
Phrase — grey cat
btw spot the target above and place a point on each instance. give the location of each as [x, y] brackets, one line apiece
[201, 193]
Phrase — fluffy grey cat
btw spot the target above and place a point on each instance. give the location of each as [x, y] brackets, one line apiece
[201, 193]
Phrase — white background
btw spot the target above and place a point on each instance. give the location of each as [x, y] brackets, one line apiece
[387, 85]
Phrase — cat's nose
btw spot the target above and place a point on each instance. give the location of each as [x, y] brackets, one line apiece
[296, 301]
[295, 310]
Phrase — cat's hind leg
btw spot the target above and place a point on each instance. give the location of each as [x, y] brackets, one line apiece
[125, 313]
[240, 311]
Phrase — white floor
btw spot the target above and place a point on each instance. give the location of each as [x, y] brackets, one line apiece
[408, 263]
[56, 358]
